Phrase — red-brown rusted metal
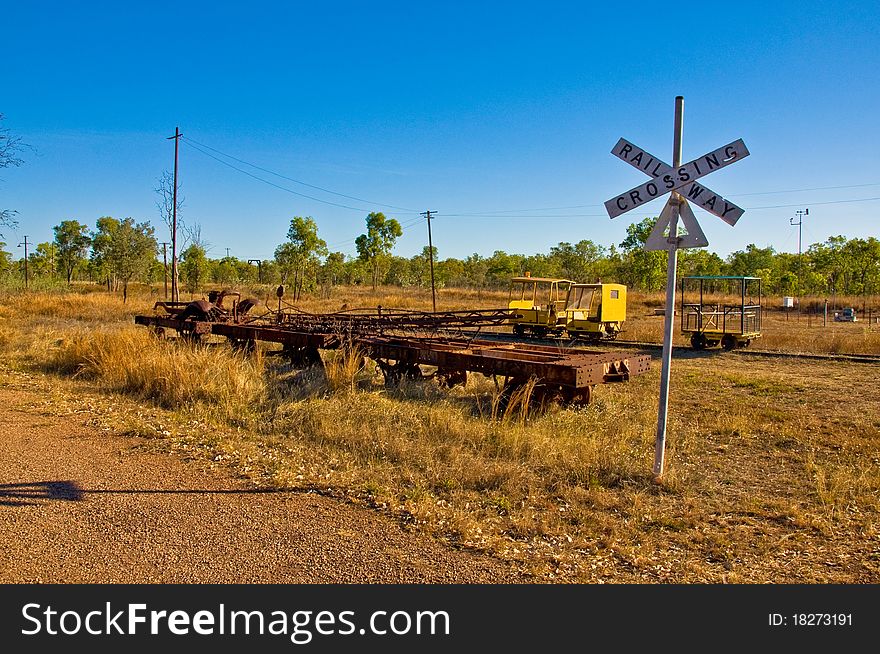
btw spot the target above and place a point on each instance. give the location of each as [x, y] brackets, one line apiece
[402, 341]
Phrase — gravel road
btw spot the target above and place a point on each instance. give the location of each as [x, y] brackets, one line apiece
[77, 506]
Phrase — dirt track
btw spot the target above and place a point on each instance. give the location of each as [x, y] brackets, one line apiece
[81, 507]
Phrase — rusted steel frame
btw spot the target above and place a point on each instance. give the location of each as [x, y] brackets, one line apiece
[187, 326]
[535, 347]
[488, 349]
[171, 308]
[275, 335]
[376, 322]
[459, 360]
[243, 332]
[576, 370]
[519, 351]
[577, 373]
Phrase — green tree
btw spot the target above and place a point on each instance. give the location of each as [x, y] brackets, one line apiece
[698, 261]
[641, 268]
[269, 271]
[225, 271]
[576, 262]
[400, 271]
[72, 244]
[102, 239]
[749, 261]
[43, 260]
[863, 257]
[377, 243]
[133, 249]
[6, 265]
[828, 260]
[420, 267]
[450, 272]
[356, 271]
[333, 269]
[194, 267]
[475, 270]
[122, 251]
[298, 256]
[246, 272]
[501, 266]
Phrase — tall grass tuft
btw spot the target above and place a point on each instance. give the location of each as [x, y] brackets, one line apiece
[343, 367]
[133, 361]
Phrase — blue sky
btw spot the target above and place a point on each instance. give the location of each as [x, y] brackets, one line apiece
[502, 110]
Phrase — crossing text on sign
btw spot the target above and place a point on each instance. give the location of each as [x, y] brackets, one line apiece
[681, 179]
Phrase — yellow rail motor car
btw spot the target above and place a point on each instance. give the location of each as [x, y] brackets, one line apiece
[595, 311]
[552, 306]
[539, 305]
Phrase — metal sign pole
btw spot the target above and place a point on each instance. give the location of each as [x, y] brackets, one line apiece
[672, 265]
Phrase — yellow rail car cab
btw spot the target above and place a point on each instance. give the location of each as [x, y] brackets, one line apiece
[538, 304]
[595, 311]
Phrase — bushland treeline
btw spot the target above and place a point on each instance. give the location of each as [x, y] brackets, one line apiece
[117, 252]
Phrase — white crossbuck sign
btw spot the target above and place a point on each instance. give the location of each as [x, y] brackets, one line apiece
[682, 184]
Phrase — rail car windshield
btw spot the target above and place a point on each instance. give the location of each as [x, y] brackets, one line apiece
[584, 298]
[528, 292]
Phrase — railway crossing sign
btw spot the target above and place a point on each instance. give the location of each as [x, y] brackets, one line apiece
[681, 183]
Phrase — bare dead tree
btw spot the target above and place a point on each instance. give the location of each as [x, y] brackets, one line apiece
[165, 201]
[10, 149]
[192, 235]
[165, 205]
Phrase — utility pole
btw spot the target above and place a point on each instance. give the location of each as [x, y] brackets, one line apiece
[165, 263]
[427, 214]
[25, 244]
[800, 221]
[227, 253]
[175, 295]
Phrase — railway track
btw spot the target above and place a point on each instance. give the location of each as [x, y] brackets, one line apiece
[565, 343]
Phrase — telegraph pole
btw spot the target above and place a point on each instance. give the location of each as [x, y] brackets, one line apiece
[227, 253]
[25, 244]
[427, 214]
[800, 222]
[175, 295]
[165, 263]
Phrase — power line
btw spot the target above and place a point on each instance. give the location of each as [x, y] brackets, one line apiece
[801, 190]
[494, 213]
[278, 186]
[483, 213]
[787, 206]
[403, 227]
[298, 181]
[560, 215]
[192, 144]
[602, 215]
[598, 215]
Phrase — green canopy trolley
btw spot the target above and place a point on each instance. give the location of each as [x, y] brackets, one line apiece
[721, 309]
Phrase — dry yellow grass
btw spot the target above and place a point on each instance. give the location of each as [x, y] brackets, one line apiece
[175, 376]
[773, 473]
